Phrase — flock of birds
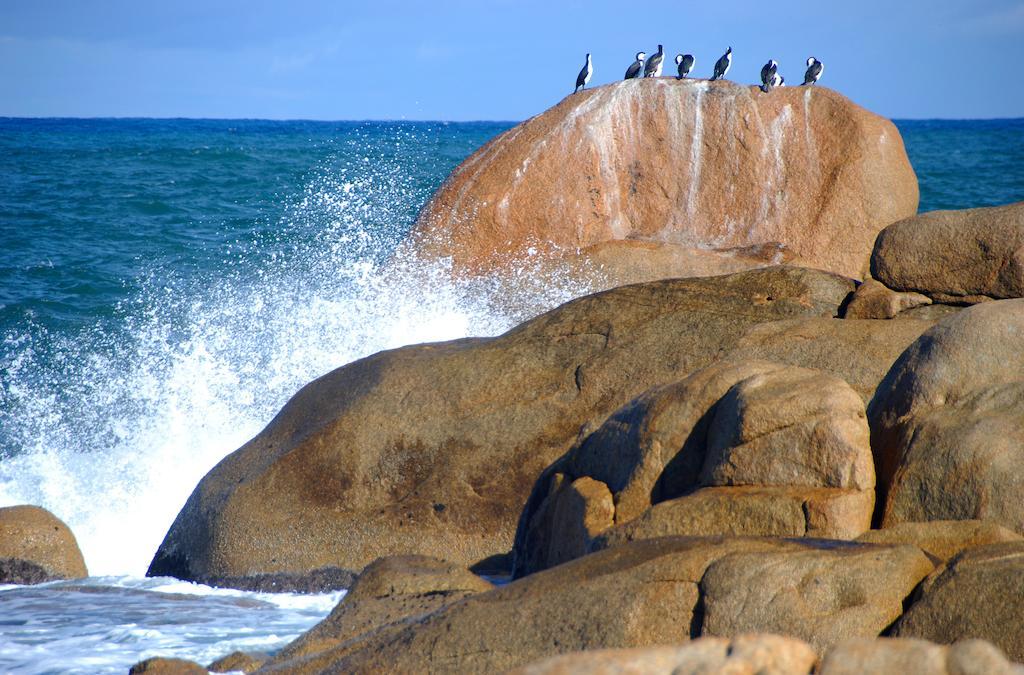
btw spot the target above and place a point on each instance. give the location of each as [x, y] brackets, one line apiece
[651, 67]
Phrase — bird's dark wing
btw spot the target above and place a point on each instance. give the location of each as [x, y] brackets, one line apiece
[813, 72]
[633, 70]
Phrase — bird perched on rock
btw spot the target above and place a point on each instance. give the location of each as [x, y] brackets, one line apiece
[636, 67]
[585, 75]
[776, 81]
[814, 70]
[684, 64]
[653, 66]
[723, 64]
[768, 72]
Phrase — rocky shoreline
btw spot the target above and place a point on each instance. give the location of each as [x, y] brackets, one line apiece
[782, 468]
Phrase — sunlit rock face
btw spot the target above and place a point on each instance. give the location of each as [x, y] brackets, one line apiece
[708, 165]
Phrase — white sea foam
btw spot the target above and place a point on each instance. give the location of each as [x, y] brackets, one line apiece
[106, 624]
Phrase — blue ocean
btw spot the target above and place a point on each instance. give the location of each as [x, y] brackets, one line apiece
[166, 285]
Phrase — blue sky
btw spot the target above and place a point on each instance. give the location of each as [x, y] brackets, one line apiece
[502, 59]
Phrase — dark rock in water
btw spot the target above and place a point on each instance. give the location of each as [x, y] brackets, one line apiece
[946, 427]
[246, 662]
[352, 468]
[978, 594]
[960, 257]
[717, 165]
[18, 571]
[159, 665]
[319, 580]
[38, 539]
[390, 593]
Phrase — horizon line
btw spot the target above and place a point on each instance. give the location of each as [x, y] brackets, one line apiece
[399, 120]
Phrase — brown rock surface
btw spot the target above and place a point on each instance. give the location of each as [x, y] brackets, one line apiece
[932, 313]
[979, 594]
[945, 422]
[823, 596]
[32, 537]
[432, 449]
[792, 426]
[955, 256]
[743, 654]
[858, 351]
[390, 591]
[637, 595]
[160, 665]
[887, 656]
[246, 662]
[718, 165]
[942, 538]
[733, 423]
[578, 512]
[873, 300]
[749, 511]
[610, 264]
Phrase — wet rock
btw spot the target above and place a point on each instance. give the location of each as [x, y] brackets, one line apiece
[964, 256]
[354, 466]
[978, 594]
[18, 571]
[36, 546]
[804, 168]
[322, 580]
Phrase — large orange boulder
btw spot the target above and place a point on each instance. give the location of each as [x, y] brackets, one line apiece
[708, 165]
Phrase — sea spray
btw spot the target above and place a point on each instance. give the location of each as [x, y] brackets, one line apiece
[112, 427]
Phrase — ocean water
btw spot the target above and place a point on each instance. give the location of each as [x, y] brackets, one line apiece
[166, 285]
